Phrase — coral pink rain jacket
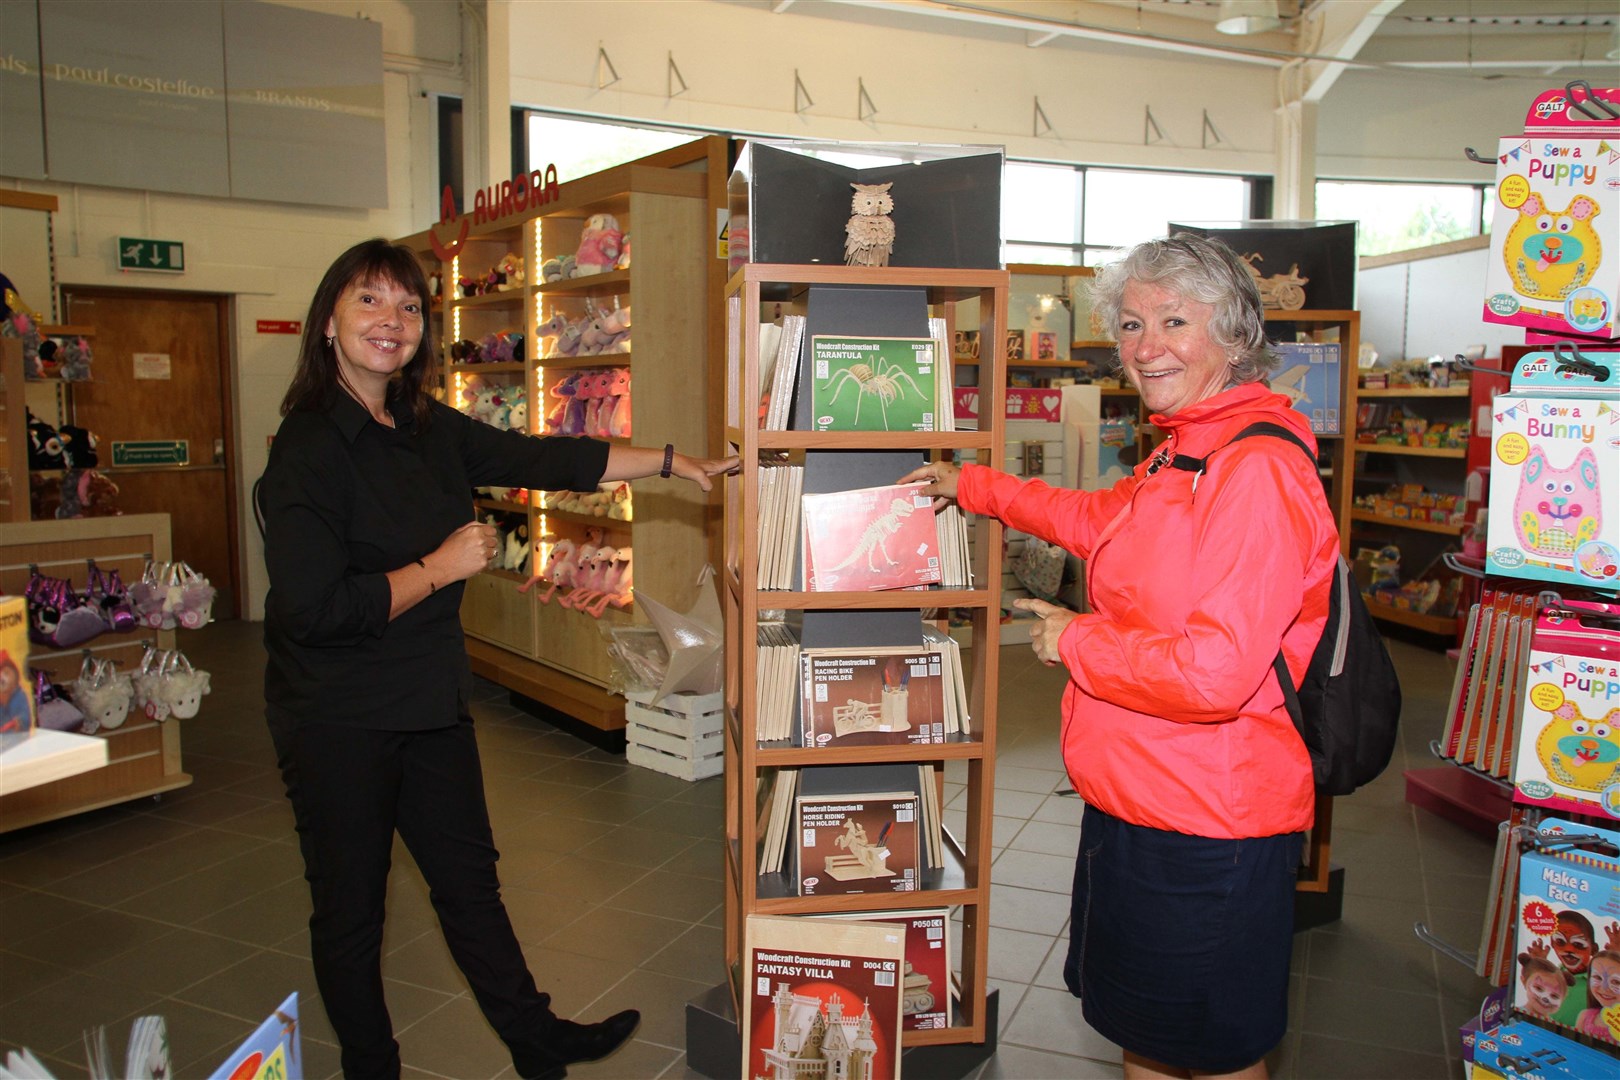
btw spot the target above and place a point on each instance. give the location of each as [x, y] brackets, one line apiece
[1172, 717]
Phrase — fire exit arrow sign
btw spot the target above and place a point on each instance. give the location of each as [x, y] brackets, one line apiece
[136, 254]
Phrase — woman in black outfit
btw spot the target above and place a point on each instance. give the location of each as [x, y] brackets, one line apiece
[369, 535]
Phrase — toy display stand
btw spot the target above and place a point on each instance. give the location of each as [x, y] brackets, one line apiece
[1580, 355]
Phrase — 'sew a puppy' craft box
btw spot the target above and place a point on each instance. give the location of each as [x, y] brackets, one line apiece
[1568, 954]
[1555, 474]
[1568, 755]
[1554, 266]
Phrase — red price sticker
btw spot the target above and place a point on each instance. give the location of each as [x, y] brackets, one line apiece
[1538, 918]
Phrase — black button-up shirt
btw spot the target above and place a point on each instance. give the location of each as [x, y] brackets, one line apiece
[345, 501]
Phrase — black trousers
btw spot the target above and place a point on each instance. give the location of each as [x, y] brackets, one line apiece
[351, 789]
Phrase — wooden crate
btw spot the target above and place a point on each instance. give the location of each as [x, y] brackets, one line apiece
[681, 735]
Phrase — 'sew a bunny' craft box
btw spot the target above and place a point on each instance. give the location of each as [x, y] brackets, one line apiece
[1555, 473]
[1568, 755]
[1557, 208]
[1567, 931]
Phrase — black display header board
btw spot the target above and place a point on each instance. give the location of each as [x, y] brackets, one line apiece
[947, 211]
[1323, 252]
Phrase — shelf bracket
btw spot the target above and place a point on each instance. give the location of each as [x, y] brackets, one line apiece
[1211, 134]
[801, 97]
[1042, 126]
[1151, 131]
[1444, 948]
[673, 79]
[864, 106]
[606, 73]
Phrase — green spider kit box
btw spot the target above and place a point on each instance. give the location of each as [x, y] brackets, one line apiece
[871, 383]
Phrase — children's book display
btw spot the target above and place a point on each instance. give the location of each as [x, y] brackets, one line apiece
[822, 998]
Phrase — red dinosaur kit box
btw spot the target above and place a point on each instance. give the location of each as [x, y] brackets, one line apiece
[869, 539]
[821, 998]
[857, 843]
[872, 696]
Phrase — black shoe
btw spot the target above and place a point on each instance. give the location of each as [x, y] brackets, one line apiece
[568, 1042]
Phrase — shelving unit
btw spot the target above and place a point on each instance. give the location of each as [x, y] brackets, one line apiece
[965, 879]
[143, 758]
[546, 652]
[1427, 464]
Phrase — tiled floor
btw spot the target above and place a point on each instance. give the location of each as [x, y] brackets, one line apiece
[194, 906]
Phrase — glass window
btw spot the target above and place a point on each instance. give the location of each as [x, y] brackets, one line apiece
[1040, 203]
[581, 147]
[1398, 217]
[1125, 207]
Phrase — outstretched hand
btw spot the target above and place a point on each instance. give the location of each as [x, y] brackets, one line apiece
[1044, 635]
[941, 477]
[698, 470]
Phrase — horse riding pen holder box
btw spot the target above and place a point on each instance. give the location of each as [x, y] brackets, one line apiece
[1557, 207]
[1555, 475]
[791, 201]
[1295, 264]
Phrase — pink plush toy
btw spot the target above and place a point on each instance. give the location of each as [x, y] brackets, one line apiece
[560, 570]
[599, 407]
[616, 585]
[600, 244]
[590, 572]
[619, 392]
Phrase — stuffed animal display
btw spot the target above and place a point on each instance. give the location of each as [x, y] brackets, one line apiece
[598, 331]
[506, 275]
[612, 500]
[501, 405]
[501, 348]
[590, 401]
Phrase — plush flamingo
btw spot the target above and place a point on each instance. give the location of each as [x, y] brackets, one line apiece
[561, 568]
[619, 391]
[616, 587]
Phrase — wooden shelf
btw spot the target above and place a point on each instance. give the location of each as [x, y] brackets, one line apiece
[594, 360]
[888, 600]
[1405, 523]
[510, 367]
[1323, 316]
[1416, 392]
[501, 505]
[587, 520]
[1409, 451]
[1434, 624]
[1103, 343]
[511, 298]
[867, 440]
[614, 281]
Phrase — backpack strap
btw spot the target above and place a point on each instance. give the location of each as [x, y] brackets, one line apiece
[1196, 465]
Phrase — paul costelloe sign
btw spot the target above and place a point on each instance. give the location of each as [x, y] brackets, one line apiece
[514, 196]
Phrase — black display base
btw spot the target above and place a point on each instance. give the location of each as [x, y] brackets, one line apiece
[714, 1046]
[611, 741]
[1313, 909]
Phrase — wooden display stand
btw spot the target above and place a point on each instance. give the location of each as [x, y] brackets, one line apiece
[143, 757]
[552, 655]
[964, 881]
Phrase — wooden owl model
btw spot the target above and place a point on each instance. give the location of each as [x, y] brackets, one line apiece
[870, 232]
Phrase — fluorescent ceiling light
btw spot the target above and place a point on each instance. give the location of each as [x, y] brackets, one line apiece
[1248, 16]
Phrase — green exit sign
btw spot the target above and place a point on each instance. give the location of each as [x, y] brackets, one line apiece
[135, 254]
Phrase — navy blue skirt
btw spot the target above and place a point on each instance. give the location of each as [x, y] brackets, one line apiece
[1179, 945]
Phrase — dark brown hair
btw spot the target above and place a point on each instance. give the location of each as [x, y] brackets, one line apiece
[315, 380]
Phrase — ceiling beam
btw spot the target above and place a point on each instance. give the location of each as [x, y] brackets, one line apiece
[1042, 30]
[1345, 27]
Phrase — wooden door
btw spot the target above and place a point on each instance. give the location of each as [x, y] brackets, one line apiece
[161, 373]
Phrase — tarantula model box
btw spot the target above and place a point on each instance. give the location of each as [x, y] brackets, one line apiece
[875, 205]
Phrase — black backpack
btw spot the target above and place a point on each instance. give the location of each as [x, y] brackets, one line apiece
[1349, 705]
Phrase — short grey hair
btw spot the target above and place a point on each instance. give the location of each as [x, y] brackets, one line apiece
[1199, 268]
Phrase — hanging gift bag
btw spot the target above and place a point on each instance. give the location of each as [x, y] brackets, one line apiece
[190, 598]
[106, 592]
[147, 683]
[147, 596]
[58, 615]
[53, 711]
[102, 693]
[183, 686]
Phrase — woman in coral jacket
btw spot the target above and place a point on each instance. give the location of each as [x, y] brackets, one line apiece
[1197, 786]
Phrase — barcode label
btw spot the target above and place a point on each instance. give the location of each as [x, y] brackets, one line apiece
[882, 978]
[762, 986]
[809, 838]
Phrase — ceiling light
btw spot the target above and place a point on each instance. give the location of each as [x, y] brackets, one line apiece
[1248, 16]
